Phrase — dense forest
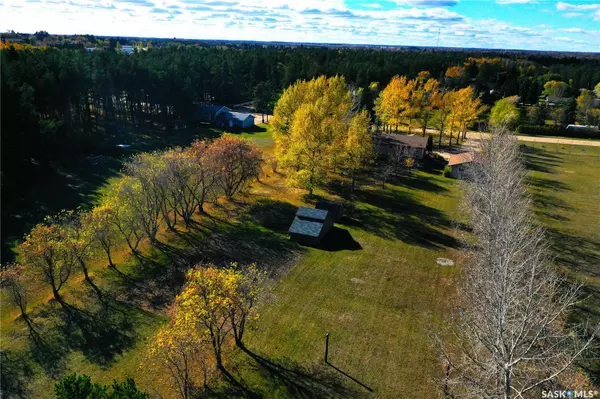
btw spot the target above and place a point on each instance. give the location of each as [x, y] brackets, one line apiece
[62, 101]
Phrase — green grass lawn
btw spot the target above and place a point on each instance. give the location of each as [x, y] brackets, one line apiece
[375, 287]
[565, 184]
[377, 302]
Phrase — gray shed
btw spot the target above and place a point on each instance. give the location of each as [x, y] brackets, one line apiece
[310, 225]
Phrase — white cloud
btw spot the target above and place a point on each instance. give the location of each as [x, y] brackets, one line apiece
[328, 21]
[572, 14]
[427, 3]
[573, 30]
[372, 5]
[568, 6]
[516, 1]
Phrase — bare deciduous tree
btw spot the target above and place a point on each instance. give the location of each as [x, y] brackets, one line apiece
[509, 336]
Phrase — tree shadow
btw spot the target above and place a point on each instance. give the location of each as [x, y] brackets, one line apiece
[538, 159]
[15, 374]
[546, 184]
[100, 334]
[252, 129]
[421, 182]
[390, 213]
[273, 214]
[548, 202]
[315, 381]
[160, 275]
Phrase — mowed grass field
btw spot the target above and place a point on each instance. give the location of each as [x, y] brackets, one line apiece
[565, 185]
[378, 299]
[374, 286]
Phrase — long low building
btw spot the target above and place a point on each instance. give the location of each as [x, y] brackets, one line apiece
[412, 144]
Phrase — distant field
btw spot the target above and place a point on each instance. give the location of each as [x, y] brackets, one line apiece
[565, 184]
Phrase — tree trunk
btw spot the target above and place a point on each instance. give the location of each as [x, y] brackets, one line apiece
[507, 383]
[56, 295]
[87, 278]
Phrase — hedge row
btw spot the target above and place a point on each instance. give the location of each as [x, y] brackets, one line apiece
[536, 130]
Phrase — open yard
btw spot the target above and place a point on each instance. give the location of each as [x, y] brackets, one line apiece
[374, 285]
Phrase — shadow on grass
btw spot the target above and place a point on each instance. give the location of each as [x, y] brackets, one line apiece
[390, 213]
[316, 381]
[420, 182]
[539, 159]
[101, 334]
[252, 129]
[350, 377]
[546, 184]
[272, 214]
[15, 374]
[338, 239]
[157, 277]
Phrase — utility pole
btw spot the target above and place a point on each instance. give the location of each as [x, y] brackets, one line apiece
[326, 347]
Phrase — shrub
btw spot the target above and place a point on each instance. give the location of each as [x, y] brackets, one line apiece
[80, 386]
[447, 171]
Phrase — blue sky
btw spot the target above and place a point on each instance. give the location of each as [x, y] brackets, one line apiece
[522, 24]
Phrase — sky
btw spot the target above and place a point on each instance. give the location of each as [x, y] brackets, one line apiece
[570, 25]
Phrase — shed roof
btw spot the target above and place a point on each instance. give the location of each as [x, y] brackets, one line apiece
[306, 227]
[232, 115]
[458, 159]
[311, 213]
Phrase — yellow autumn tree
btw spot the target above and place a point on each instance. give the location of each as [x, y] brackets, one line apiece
[466, 108]
[444, 112]
[358, 151]
[179, 357]
[404, 101]
[218, 302]
[426, 98]
[555, 88]
[392, 104]
[310, 127]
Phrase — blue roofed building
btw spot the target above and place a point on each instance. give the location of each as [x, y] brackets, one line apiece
[232, 119]
[209, 112]
[310, 225]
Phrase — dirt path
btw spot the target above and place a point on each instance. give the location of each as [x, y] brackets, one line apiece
[551, 140]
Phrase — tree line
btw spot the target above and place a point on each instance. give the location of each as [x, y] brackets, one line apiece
[424, 101]
[160, 188]
[60, 102]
